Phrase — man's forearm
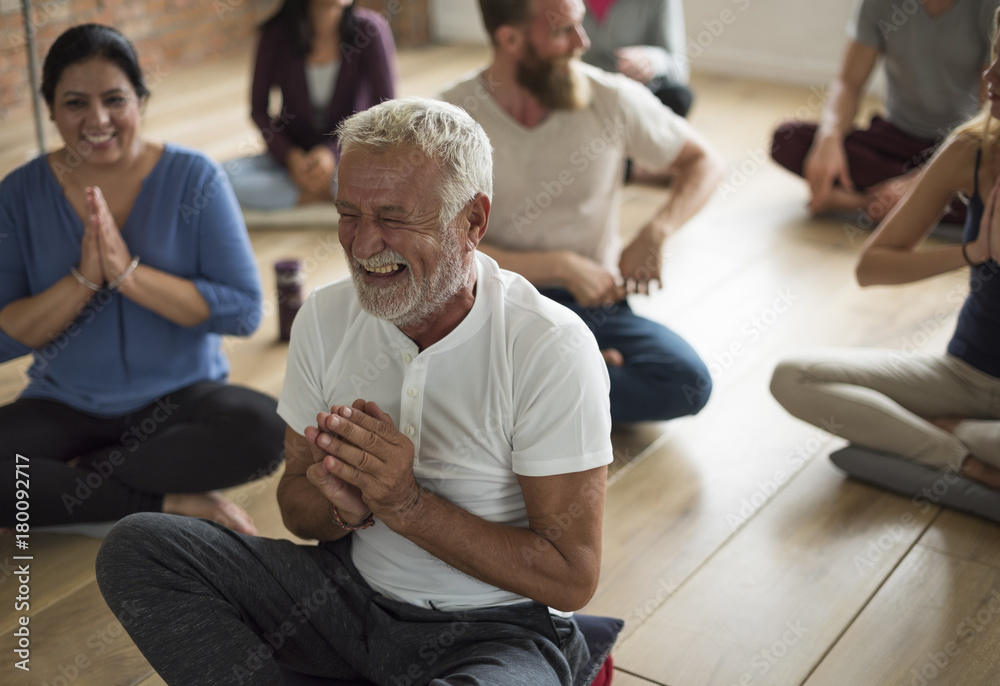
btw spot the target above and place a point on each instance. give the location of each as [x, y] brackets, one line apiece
[844, 94]
[692, 185]
[839, 110]
[518, 560]
[305, 512]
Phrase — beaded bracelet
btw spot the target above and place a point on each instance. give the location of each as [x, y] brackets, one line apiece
[113, 286]
[368, 521]
[84, 280]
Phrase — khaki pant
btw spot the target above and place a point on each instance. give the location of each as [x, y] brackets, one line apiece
[882, 399]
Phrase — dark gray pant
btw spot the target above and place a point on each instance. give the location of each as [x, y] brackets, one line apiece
[207, 605]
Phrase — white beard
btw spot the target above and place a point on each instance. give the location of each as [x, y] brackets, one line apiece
[408, 302]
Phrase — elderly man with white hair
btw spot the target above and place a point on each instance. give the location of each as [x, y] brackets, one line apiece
[447, 444]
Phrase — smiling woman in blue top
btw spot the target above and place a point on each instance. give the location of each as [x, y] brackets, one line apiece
[123, 263]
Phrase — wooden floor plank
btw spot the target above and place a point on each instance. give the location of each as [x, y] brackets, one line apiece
[964, 536]
[424, 73]
[669, 514]
[935, 621]
[632, 443]
[625, 679]
[80, 641]
[771, 601]
[60, 565]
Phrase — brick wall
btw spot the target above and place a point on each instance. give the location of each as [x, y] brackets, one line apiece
[409, 19]
[166, 33]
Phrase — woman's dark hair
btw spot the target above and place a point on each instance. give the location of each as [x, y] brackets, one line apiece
[84, 42]
[294, 16]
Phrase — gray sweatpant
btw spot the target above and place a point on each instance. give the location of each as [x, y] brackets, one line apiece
[207, 605]
[882, 399]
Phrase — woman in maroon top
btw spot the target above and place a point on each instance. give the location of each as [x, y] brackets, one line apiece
[329, 60]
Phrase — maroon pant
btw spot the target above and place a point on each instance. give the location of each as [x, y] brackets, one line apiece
[880, 152]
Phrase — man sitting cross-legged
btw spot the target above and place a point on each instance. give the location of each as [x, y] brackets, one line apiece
[457, 490]
[562, 131]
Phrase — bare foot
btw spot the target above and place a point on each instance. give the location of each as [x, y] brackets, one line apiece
[612, 357]
[211, 505]
[946, 423]
[972, 467]
[977, 470]
[839, 200]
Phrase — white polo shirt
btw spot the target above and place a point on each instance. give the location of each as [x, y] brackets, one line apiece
[519, 387]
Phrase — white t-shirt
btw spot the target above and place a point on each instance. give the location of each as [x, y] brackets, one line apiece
[558, 186]
[518, 387]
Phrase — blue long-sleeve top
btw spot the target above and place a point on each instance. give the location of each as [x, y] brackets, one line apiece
[118, 356]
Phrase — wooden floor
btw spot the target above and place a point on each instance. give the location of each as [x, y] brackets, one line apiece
[733, 548]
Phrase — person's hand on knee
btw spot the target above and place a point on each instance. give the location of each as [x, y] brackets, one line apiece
[590, 284]
[825, 165]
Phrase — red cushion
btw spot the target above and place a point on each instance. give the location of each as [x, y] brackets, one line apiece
[604, 676]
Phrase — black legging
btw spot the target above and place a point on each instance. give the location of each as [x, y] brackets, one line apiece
[200, 438]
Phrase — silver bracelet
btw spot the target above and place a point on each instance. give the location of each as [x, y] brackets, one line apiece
[125, 274]
[84, 280]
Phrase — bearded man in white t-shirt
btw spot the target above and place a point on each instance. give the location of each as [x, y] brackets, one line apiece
[561, 131]
[447, 443]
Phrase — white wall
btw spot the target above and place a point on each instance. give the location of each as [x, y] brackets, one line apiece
[793, 41]
[456, 21]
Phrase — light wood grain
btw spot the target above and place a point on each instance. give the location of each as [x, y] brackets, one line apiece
[625, 679]
[423, 72]
[936, 621]
[79, 641]
[964, 536]
[685, 499]
[61, 565]
[768, 604]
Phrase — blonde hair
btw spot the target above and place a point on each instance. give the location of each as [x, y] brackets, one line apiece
[979, 127]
